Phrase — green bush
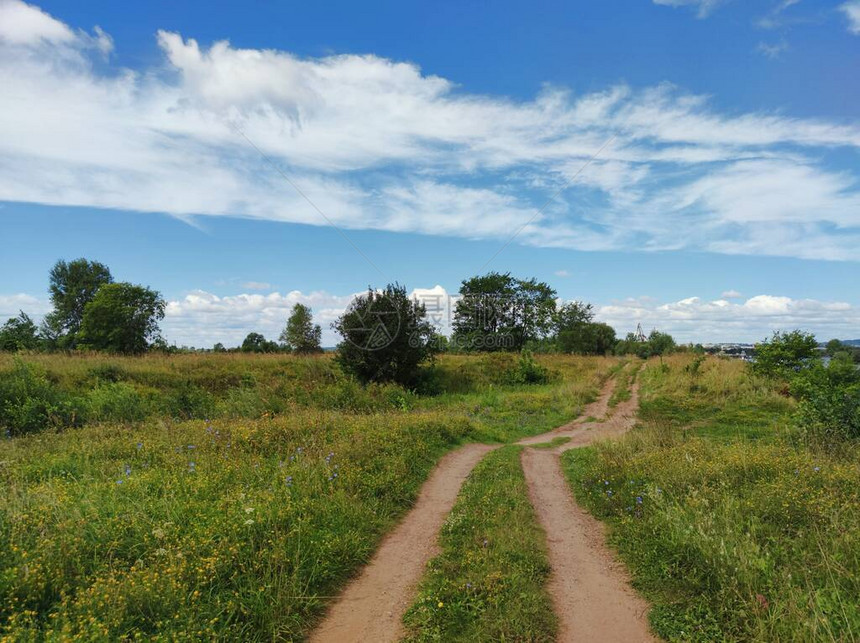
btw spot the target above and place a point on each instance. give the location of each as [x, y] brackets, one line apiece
[29, 402]
[117, 401]
[829, 407]
[188, 401]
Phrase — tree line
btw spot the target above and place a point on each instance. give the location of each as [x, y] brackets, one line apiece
[385, 333]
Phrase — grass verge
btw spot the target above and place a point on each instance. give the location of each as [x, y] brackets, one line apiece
[488, 582]
[733, 530]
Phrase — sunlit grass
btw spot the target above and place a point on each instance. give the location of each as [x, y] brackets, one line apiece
[732, 528]
[245, 526]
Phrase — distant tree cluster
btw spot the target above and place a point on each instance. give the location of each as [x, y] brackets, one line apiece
[90, 311]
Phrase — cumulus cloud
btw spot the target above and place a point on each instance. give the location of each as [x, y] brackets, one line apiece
[562, 273]
[11, 305]
[851, 9]
[698, 320]
[731, 294]
[377, 144]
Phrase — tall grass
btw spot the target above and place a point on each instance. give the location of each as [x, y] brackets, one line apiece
[735, 530]
[241, 527]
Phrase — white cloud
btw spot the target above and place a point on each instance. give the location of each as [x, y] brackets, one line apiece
[697, 320]
[851, 9]
[25, 24]
[731, 294]
[377, 144]
[11, 305]
[562, 273]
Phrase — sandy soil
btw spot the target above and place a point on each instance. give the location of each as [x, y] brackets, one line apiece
[372, 606]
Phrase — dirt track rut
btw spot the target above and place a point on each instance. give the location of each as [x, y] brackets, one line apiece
[372, 606]
[590, 590]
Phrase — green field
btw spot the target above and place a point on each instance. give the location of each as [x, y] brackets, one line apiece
[731, 524]
[224, 496]
[230, 497]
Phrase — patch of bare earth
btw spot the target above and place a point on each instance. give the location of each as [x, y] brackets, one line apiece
[590, 590]
[372, 606]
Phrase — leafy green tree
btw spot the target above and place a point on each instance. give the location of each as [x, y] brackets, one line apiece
[301, 334]
[588, 338]
[829, 398]
[121, 318]
[219, 348]
[660, 343]
[499, 312]
[387, 337]
[573, 314]
[72, 286]
[256, 343]
[19, 333]
[785, 354]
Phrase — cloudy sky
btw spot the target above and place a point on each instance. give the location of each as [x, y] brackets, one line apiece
[693, 165]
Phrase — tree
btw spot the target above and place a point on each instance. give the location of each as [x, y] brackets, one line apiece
[660, 343]
[19, 333]
[219, 348]
[497, 312]
[122, 318]
[256, 343]
[587, 338]
[573, 314]
[785, 353]
[301, 335]
[387, 337]
[72, 285]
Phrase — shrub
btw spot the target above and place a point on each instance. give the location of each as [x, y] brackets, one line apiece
[386, 337]
[829, 400]
[29, 402]
[785, 354]
[117, 401]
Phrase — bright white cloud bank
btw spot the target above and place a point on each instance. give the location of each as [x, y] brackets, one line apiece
[202, 319]
[851, 9]
[377, 144]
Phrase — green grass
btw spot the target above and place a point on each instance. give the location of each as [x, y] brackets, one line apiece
[108, 531]
[555, 442]
[623, 380]
[732, 528]
[488, 582]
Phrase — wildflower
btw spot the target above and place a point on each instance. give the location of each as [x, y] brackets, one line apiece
[609, 493]
[120, 481]
[638, 500]
[468, 585]
[249, 510]
[139, 446]
[441, 604]
[289, 481]
[191, 446]
[192, 467]
[250, 521]
[606, 482]
[816, 469]
[127, 471]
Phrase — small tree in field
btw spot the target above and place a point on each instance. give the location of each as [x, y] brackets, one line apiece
[785, 354]
[121, 318]
[386, 337]
[73, 285]
[301, 334]
[19, 333]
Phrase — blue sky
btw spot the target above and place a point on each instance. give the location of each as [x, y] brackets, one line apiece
[724, 202]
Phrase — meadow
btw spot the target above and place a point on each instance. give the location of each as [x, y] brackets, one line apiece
[203, 497]
[732, 524]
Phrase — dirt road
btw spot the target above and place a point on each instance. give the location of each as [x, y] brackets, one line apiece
[590, 591]
[372, 606]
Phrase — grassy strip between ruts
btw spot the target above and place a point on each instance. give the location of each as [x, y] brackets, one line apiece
[238, 529]
[623, 380]
[733, 530]
[488, 582]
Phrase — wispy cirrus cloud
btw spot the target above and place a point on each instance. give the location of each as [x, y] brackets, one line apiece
[377, 144]
[703, 7]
